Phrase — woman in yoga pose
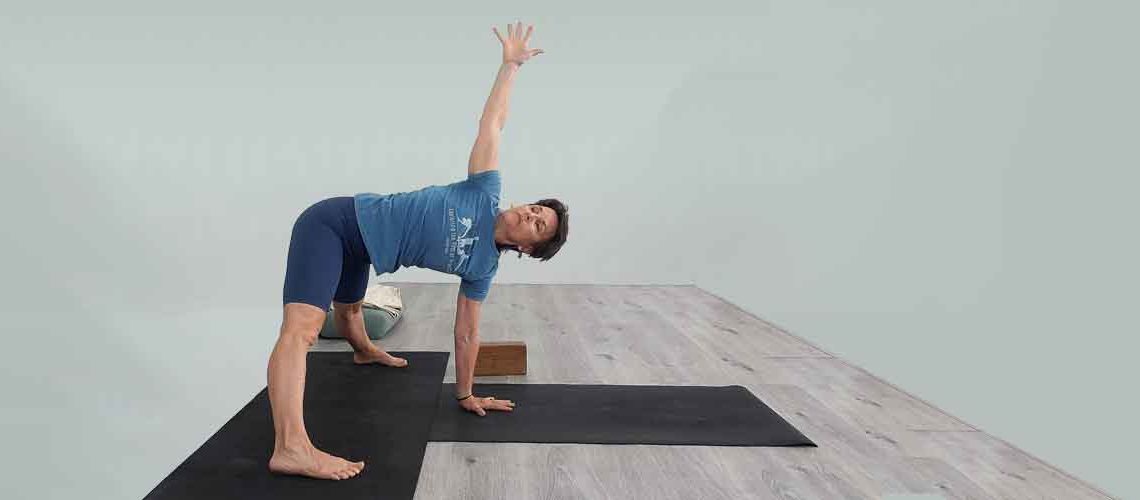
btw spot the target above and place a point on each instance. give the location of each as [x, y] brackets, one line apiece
[457, 229]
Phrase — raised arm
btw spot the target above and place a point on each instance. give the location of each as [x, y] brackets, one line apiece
[485, 153]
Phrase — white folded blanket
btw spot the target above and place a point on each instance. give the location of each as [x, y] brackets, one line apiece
[384, 297]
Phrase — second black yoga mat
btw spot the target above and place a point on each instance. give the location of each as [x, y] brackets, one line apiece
[617, 414]
[374, 413]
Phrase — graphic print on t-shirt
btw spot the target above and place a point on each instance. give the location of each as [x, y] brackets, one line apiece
[458, 245]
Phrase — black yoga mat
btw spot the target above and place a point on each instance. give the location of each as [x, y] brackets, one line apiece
[378, 414]
[617, 414]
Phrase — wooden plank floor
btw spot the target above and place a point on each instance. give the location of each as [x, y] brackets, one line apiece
[874, 439]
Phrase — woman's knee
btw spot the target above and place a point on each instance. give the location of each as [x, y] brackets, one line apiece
[303, 321]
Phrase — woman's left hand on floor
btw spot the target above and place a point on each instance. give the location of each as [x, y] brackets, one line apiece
[479, 405]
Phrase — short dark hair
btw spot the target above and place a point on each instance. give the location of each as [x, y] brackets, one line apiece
[545, 250]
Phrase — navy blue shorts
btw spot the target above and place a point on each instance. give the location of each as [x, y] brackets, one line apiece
[327, 259]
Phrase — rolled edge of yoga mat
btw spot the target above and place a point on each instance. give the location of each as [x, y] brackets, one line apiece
[377, 322]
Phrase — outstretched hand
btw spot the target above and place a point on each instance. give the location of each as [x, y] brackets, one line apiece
[514, 47]
[478, 405]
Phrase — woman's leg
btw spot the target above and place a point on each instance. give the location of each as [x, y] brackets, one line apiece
[313, 268]
[293, 452]
[349, 321]
[348, 314]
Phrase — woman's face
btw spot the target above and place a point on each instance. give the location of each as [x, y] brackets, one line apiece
[530, 225]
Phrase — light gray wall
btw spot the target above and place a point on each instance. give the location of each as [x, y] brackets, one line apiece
[937, 192]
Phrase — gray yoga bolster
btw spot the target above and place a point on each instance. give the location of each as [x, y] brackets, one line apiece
[377, 322]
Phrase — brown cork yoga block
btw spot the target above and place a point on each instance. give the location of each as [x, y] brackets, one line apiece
[501, 358]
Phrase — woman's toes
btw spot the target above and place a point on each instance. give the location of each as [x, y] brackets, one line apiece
[347, 470]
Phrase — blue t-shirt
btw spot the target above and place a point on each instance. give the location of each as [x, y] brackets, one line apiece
[449, 228]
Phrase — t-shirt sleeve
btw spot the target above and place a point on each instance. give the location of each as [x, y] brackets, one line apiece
[488, 181]
[475, 289]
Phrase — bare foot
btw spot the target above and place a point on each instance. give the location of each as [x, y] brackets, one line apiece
[313, 463]
[379, 356]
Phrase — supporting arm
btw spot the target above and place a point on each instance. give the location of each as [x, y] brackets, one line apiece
[466, 343]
